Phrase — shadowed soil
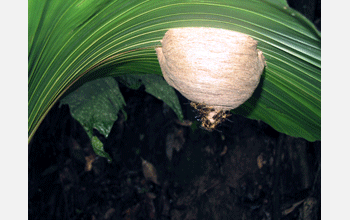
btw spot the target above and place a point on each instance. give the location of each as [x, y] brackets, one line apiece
[242, 170]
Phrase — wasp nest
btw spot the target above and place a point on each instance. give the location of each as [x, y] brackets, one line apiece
[216, 69]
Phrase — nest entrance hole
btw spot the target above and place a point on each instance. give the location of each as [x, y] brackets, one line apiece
[209, 116]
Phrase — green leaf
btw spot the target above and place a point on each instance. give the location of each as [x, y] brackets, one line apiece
[156, 86]
[97, 145]
[279, 2]
[96, 105]
[130, 80]
[159, 88]
[75, 41]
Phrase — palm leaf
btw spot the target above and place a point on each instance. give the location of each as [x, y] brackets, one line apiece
[75, 41]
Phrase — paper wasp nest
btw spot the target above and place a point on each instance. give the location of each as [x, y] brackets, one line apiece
[216, 69]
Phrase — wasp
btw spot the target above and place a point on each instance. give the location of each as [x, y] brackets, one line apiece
[221, 116]
[202, 108]
[209, 121]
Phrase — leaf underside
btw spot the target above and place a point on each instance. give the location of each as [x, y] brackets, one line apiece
[73, 42]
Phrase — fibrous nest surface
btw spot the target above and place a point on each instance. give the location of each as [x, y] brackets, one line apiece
[217, 69]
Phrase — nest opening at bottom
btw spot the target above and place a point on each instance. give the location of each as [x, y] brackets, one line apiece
[209, 116]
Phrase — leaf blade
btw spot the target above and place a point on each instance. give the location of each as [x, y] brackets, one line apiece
[72, 51]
